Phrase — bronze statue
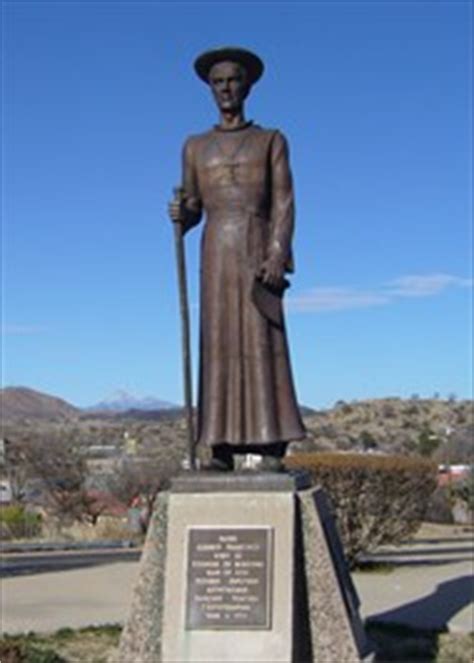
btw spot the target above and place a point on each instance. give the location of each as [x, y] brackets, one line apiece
[238, 174]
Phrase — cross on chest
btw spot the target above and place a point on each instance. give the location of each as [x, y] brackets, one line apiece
[229, 172]
[228, 151]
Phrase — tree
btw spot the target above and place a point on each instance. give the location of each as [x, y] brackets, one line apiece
[60, 464]
[142, 478]
[16, 468]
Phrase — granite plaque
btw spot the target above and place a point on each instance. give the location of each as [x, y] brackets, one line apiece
[229, 576]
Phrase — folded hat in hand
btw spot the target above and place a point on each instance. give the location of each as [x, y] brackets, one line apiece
[268, 300]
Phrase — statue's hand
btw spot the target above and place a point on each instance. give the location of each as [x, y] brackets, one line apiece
[272, 271]
[177, 207]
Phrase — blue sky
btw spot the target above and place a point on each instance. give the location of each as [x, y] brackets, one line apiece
[375, 99]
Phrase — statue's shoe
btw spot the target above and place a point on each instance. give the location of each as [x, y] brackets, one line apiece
[218, 465]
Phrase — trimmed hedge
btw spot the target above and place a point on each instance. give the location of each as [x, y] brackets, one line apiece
[376, 499]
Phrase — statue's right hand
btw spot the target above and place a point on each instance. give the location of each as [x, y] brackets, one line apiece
[176, 212]
[177, 207]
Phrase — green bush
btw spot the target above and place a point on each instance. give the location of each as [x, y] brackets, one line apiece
[18, 650]
[16, 523]
[376, 499]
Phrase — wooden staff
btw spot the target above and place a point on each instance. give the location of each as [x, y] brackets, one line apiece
[185, 331]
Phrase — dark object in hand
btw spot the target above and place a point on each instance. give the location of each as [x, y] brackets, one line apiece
[269, 300]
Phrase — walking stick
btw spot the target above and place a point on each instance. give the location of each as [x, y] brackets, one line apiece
[185, 333]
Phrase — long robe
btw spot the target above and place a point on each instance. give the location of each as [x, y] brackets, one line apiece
[241, 180]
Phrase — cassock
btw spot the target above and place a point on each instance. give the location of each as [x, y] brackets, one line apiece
[241, 180]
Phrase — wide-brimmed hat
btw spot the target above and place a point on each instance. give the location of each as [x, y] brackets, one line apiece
[251, 62]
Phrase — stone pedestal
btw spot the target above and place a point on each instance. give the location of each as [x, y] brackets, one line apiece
[242, 568]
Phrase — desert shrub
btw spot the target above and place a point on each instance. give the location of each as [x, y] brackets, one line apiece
[389, 411]
[461, 416]
[344, 443]
[344, 407]
[376, 499]
[367, 440]
[428, 442]
[17, 523]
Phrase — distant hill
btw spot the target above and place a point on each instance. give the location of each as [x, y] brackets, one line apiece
[123, 401]
[133, 415]
[306, 411]
[168, 414]
[393, 425]
[20, 403]
[441, 429]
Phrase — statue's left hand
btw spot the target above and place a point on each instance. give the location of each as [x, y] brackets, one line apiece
[272, 271]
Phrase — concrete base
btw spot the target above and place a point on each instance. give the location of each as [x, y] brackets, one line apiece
[309, 607]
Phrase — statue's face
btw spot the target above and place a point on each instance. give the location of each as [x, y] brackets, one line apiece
[228, 81]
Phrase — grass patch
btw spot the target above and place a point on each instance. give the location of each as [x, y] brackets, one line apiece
[456, 648]
[93, 644]
[402, 644]
[370, 566]
[64, 634]
[23, 650]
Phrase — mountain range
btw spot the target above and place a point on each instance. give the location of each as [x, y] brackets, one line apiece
[121, 401]
[389, 425]
[25, 403]
[21, 403]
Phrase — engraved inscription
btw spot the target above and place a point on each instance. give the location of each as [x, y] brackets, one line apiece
[229, 578]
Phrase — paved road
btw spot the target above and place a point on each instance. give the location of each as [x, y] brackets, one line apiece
[81, 597]
[430, 586]
[15, 564]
